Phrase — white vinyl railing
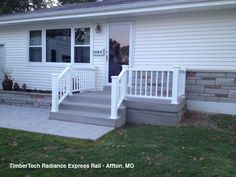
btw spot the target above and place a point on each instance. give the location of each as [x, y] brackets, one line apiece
[83, 79]
[118, 91]
[159, 83]
[150, 83]
[182, 82]
[72, 79]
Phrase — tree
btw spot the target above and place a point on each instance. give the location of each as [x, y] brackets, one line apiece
[16, 6]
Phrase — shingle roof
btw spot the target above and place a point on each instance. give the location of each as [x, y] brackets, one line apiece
[83, 6]
[80, 6]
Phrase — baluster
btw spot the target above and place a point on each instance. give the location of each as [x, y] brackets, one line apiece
[168, 80]
[131, 81]
[146, 84]
[157, 80]
[85, 79]
[74, 79]
[151, 84]
[135, 88]
[162, 83]
[141, 82]
[79, 79]
[91, 80]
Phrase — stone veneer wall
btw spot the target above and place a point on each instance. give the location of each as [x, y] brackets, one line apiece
[211, 86]
[28, 99]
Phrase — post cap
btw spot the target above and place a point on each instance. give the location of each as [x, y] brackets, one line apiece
[125, 66]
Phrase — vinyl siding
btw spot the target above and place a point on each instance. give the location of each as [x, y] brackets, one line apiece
[197, 40]
[38, 75]
[99, 61]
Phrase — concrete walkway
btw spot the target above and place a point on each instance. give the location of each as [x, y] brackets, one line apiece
[36, 120]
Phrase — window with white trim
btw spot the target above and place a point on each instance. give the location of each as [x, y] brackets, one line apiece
[58, 45]
[82, 45]
[35, 46]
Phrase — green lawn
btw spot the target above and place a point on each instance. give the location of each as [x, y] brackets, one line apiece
[155, 151]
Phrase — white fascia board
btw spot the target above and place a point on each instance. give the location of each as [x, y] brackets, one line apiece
[121, 10]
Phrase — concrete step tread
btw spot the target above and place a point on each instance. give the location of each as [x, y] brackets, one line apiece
[99, 95]
[84, 114]
[87, 104]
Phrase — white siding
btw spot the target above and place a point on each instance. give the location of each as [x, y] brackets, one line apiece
[99, 42]
[39, 75]
[203, 40]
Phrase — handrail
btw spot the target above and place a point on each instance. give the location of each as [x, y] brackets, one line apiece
[122, 73]
[88, 67]
[119, 91]
[64, 72]
[151, 69]
[61, 87]
[72, 79]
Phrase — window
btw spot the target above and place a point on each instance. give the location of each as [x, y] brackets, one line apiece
[35, 46]
[54, 45]
[58, 45]
[82, 45]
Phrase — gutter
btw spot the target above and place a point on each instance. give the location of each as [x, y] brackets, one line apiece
[122, 9]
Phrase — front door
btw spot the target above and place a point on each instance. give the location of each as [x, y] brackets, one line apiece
[118, 48]
[1, 64]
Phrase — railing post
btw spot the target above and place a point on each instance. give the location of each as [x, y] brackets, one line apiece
[55, 94]
[184, 82]
[175, 86]
[125, 67]
[94, 79]
[69, 79]
[114, 95]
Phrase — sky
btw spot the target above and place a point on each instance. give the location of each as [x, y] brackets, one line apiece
[54, 2]
[120, 33]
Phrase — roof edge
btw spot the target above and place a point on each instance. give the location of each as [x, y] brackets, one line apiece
[114, 10]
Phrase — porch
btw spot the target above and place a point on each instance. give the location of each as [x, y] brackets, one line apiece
[157, 94]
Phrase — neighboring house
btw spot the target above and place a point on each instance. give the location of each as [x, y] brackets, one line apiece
[99, 37]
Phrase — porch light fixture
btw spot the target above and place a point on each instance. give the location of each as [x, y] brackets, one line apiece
[98, 28]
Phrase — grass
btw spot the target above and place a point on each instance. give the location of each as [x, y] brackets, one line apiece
[155, 151]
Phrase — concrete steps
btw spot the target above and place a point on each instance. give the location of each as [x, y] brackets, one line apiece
[95, 108]
[89, 108]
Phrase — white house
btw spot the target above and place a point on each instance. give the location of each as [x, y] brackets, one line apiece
[158, 40]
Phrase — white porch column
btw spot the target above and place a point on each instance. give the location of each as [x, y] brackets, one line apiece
[114, 95]
[55, 94]
[125, 85]
[175, 86]
[69, 79]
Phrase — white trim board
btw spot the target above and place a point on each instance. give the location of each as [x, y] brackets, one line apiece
[124, 9]
[212, 107]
